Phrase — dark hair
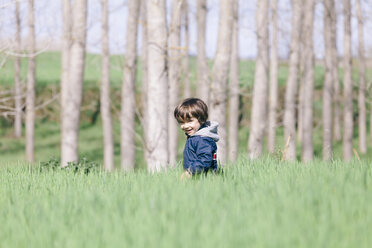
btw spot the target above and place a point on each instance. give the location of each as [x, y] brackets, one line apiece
[191, 107]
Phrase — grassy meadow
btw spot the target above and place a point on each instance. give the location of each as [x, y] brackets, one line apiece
[261, 203]
[266, 203]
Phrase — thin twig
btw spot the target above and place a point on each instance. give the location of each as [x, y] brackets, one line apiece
[286, 148]
[356, 154]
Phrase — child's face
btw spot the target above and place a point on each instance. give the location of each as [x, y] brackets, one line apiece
[190, 127]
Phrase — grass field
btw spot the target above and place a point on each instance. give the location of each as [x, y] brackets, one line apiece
[262, 203]
[266, 203]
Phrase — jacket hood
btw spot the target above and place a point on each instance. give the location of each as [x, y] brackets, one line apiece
[208, 129]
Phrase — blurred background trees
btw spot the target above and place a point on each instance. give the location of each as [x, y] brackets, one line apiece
[286, 96]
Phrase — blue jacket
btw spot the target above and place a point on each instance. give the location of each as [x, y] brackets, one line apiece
[200, 153]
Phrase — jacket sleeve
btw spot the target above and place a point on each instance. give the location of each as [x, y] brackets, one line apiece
[204, 153]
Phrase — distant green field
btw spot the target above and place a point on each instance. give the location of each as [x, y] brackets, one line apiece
[266, 203]
[48, 70]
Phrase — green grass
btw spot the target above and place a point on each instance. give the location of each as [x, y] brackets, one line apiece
[266, 203]
[48, 70]
[47, 144]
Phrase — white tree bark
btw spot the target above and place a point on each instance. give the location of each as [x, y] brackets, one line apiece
[220, 72]
[71, 113]
[30, 96]
[174, 70]
[328, 80]
[65, 62]
[301, 91]
[336, 84]
[273, 97]
[66, 46]
[17, 77]
[128, 94]
[203, 91]
[291, 89]
[348, 85]
[362, 83]
[108, 140]
[157, 140]
[234, 88]
[186, 61]
[144, 71]
[307, 131]
[259, 100]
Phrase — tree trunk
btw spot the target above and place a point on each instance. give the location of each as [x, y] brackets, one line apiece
[108, 141]
[30, 96]
[220, 74]
[202, 66]
[348, 86]
[234, 88]
[65, 63]
[336, 84]
[362, 83]
[291, 89]
[301, 91]
[144, 72]
[157, 143]
[307, 131]
[186, 61]
[17, 77]
[259, 101]
[273, 100]
[174, 70]
[328, 80]
[71, 118]
[66, 47]
[128, 94]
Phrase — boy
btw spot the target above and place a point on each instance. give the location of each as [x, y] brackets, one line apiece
[200, 153]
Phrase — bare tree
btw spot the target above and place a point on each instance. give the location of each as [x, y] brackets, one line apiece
[65, 63]
[186, 61]
[17, 76]
[30, 96]
[144, 69]
[336, 84]
[301, 91]
[174, 73]
[71, 118]
[362, 83]
[128, 94]
[66, 46]
[220, 74]
[259, 100]
[157, 139]
[108, 141]
[348, 85]
[202, 66]
[234, 88]
[328, 80]
[307, 131]
[273, 100]
[291, 89]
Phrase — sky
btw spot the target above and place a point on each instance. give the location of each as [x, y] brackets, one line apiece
[49, 25]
